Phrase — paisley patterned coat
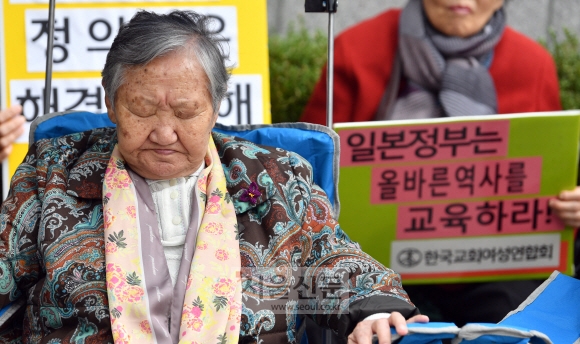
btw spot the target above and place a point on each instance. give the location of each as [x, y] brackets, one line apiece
[52, 252]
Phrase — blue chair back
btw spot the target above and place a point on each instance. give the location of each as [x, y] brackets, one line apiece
[64, 123]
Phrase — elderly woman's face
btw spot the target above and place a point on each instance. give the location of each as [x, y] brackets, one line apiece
[164, 117]
[461, 18]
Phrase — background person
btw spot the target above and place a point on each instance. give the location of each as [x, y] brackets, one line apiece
[141, 232]
[436, 58]
[444, 58]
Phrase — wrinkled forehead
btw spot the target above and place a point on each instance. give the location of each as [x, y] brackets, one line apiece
[173, 80]
[183, 60]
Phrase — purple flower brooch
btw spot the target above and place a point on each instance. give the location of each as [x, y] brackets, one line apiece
[251, 194]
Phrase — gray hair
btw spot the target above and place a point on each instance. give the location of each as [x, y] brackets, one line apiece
[149, 35]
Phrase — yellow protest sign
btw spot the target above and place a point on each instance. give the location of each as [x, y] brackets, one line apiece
[84, 31]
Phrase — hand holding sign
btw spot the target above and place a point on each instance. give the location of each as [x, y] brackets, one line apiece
[11, 126]
[567, 207]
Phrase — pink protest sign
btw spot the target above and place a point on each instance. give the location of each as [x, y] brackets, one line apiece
[444, 141]
[464, 219]
[470, 179]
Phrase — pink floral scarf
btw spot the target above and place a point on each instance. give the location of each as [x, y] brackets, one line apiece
[209, 299]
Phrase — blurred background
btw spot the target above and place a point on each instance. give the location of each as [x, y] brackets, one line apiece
[297, 44]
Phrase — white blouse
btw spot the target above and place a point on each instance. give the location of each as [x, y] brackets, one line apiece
[174, 205]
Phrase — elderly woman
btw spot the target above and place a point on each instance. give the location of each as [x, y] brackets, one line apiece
[444, 58]
[161, 231]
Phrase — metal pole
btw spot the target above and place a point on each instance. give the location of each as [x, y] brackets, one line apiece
[49, 47]
[550, 24]
[330, 71]
[329, 6]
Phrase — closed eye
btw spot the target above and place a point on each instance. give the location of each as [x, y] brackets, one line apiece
[141, 111]
[189, 113]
